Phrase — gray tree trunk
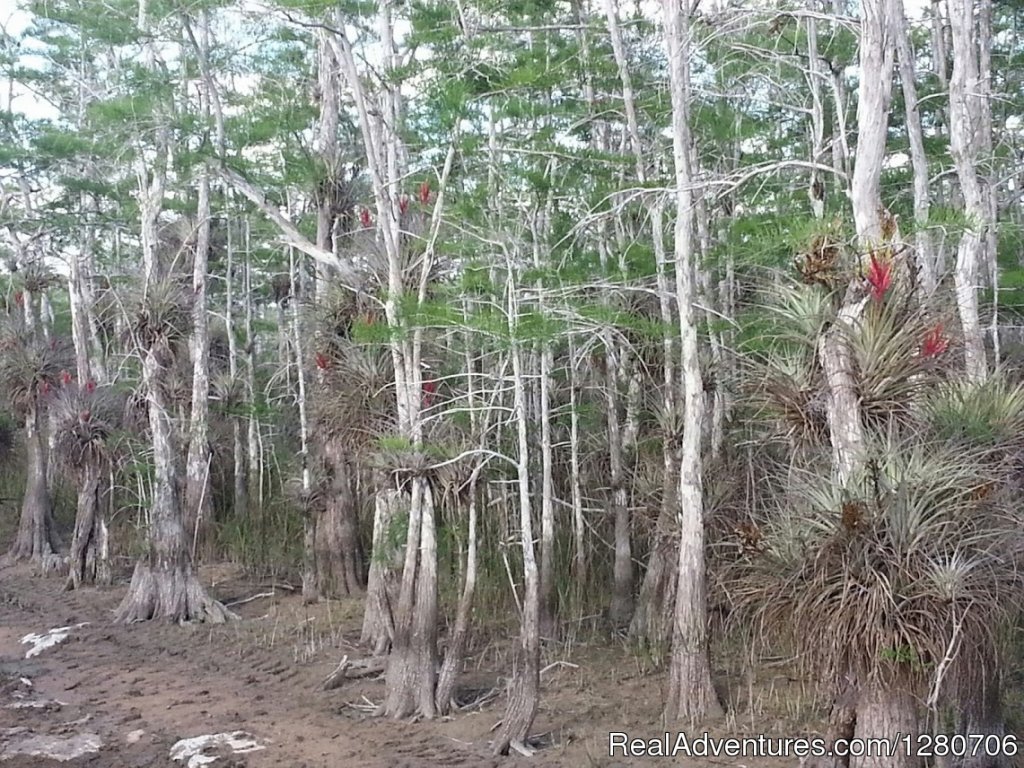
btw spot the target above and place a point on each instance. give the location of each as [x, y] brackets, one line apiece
[967, 111]
[691, 695]
[36, 539]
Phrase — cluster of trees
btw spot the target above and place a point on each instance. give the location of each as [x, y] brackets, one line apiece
[711, 306]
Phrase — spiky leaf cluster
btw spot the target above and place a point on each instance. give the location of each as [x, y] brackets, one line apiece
[878, 578]
[159, 314]
[86, 423]
[30, 367]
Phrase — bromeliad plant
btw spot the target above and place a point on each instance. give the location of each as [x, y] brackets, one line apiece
[887, 581]
[893, 586]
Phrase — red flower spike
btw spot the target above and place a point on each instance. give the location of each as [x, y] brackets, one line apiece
[880, 277]
[429, 390]
[364, 218]
[19, 298]
[84, 416]
[425, 192]
[65, 378]
[322, 362]
[44, 388]
[403, 204]
[934, 343]
[90, 386]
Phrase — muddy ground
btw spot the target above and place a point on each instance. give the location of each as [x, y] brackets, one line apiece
[138, 690]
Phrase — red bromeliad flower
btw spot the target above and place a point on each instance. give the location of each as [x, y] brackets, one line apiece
[19, 298]
[65, 378]
[880, 277]
[322, 361]
[364, 217]
[934, 343]
[44, 388]
[429, 390]
[90, 386]
[403, 204]
[425, 192]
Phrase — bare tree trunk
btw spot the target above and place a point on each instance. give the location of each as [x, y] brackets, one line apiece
[164, 585]
[412, 664]
[988, 179]
[36, 539]
[339, 560]
[252, 431]
[453, 658]
[978, 706]
[886, 713]
[412, 667]
[927, 268]
[579, 562]
[240, 480]
[691, 696]
[621, 609]
[659, 579]
[524, 688]
[549, 596]
[309, 582]
[88, 527]
[198, 488]
[378, 621]
[966, 111]
[816, 190]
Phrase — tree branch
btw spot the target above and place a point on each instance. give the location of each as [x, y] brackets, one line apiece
[290, 233]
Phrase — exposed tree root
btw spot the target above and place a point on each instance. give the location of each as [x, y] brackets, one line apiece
[171, 593]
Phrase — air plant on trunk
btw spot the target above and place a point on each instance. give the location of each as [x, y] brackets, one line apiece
[351, 407]
[86, 422]
[911, 567]
[30, 370]
[164, 585]
[891, 586]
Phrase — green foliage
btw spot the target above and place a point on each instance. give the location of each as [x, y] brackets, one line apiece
[990, 413]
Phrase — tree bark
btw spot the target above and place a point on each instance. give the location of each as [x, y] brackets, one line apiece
[927, 268]
[36, 539]
[652, 623]
[164, 585]
[691, 695]
[378, 620]
[412, 665]
[621, 608]
[524, 688]
[453, 657]
[198, 488]
[84, 560]
[966, 111]
[339, 559]
[310, 593]
[885, 712]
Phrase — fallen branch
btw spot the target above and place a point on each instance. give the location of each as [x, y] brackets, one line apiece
[353, 670]
[245, 600]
